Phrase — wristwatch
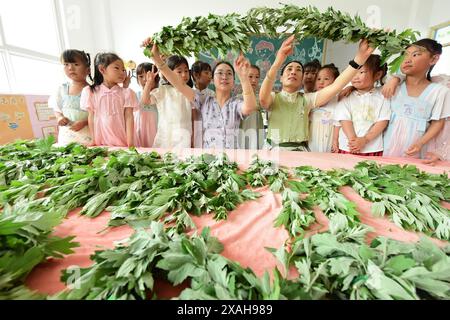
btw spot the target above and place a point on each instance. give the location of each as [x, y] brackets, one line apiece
[354, 65]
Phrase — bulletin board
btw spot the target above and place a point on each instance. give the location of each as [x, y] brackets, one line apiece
[263, 50]
[25, 117]
[15, 120]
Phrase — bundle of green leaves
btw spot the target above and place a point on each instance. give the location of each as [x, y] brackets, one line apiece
[343, 266]
[412, 198]
[138, 187]
[296, 215]
[196, 185]
[27, 166]
[134, 187]
[324, 191]
[129, 271]
[25, 241]
[264, 172]
[231, 32]
[330, 266]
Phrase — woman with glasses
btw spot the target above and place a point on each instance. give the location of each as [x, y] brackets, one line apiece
[221, 114]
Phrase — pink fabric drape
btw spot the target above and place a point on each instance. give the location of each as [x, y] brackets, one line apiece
[246, 232]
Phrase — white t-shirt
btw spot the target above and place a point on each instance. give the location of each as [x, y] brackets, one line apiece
[174, 118]
[364, 110]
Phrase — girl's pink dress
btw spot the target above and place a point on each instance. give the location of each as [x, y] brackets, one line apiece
[145, 124]
[108, 107]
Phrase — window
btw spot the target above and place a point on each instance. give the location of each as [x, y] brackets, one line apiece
[30, 45]
[35, 76]
[441, 34]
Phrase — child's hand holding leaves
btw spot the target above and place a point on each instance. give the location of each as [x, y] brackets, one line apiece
[364, 52]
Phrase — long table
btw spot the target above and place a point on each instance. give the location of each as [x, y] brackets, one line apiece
[247, 231]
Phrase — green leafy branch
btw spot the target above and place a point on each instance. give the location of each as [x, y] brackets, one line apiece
[129, 271]
[231, 31]
[343, 266]
[324, 191]
[409, 196]
[26, 241]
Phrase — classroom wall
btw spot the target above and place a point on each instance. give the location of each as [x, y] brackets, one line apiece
[440, 12]
[88, 25]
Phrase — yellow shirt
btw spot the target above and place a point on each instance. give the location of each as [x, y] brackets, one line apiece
[289, 117]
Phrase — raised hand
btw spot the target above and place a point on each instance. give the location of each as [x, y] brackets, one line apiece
[127, 80]
[242, 66]
[364, 52]
[156, 56]
[150, 78]
[286, 49]
[146, 43]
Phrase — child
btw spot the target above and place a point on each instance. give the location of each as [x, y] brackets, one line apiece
[146, 117]
[202, 75]
[72, 121]
[289, 109]
[365, 113]
[110, 106]
[419, 107]
[322, 119]
[252, 128]
[222, 113]
[309, 78]
[174, 110]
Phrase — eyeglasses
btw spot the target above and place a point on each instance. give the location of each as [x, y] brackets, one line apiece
[227, 75]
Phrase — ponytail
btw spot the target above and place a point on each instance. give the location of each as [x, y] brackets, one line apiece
[70, 56]
[373, 63]
[104, 59]
[88, 59]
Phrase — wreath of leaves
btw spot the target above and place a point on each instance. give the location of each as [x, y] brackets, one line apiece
[230, 31]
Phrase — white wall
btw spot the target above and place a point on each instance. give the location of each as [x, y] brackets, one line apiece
[87, 25]
[440, 12]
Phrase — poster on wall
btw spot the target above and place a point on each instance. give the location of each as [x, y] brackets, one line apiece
[43, 119]
[25, 117]
[49, 131]
[15, 122]
[43, 112]
[263, 51]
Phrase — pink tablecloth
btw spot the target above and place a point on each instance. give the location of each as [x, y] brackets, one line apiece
[245, 234]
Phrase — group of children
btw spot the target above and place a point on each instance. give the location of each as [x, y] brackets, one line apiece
[312, 112]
